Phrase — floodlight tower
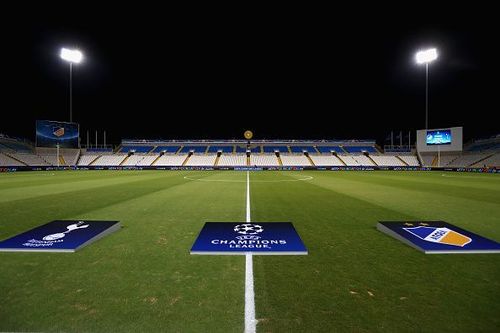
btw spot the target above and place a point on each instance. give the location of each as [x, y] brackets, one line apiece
[73, 57]
[426, 57]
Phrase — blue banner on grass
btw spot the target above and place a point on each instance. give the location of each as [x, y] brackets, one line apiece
[438, 237]
[272, 238]
[59, 236]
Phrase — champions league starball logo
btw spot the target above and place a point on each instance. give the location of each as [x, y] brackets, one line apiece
[248, 230]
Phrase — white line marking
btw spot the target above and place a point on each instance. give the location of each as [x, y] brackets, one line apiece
[242, 181]
[250, 321]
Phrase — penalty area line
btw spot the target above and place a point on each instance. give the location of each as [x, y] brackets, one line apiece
[250, 321]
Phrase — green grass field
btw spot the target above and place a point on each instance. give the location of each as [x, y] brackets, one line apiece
[355, 279]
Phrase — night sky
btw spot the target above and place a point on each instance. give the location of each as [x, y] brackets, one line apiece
[287, 73]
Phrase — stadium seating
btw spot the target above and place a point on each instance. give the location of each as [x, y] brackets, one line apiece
[360, 149]
[8, 161]
[166, 149]
[272, 149]
[301, 149]
[201, 160]
[194, 149]
[109, 160]
[326, 160]
[264, 160]
[466, 160]
[137, 149]
[223, 149]
[253, 149]
[30, 159]
[295, 160]
[411, 160]
[492, 161]
[233, 160]
[387, 160]
[170, 160]
[87, 159]
[357, 160]
[330, 149]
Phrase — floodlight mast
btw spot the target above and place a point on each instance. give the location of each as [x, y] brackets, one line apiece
[71, 56]
[426, 57]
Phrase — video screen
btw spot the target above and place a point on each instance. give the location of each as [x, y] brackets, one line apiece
[50, 133]
[441, 137]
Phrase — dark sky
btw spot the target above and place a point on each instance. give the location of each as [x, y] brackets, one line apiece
[290, 73]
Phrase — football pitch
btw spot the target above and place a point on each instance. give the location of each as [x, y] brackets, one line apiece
[355, 278]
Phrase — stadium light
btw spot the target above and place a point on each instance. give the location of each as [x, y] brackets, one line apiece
[73, 57]
[426, 57]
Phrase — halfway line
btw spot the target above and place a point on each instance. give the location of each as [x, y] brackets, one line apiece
[250, 321]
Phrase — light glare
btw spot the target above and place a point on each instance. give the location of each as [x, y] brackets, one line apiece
[74, 56]
[426, 56]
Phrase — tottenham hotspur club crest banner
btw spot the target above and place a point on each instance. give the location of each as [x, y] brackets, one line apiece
[272, 238]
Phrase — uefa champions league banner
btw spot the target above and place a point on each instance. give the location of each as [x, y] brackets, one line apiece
[52, 133]
[60, 236]
[433, 237]
[233, 238]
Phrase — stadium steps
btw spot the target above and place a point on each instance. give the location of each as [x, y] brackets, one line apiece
[280, 162]
[343, 150]
[156, 159]
[180, 149]
[187, 159]
[124, 160]
[317, 150]
[371, 159]
[399, 158]
[62, 161]
[289, 149]
[217, 160]
[248, 160]
[480, 160]
[9, 154]
[340, 159]
[98, 157]
[434, 161]
[310, 160]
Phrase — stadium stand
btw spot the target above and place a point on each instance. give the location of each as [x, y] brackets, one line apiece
[193, 149]
[356, 160]
[326, 160]
[295, 160]
[383, 160]
[411, 160]
[201, 160]
[330, 149]
[227, 160]
[273, 149]
[170, 160]
[222, 149]
[109, 160]
[467, 159]
[360, 149]
[491, 161]
[30, 159]
[264, 160]
[87, 159]
[166, 149]
[136, 149]
[253, 149]
[8, 161]
[302, 149]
